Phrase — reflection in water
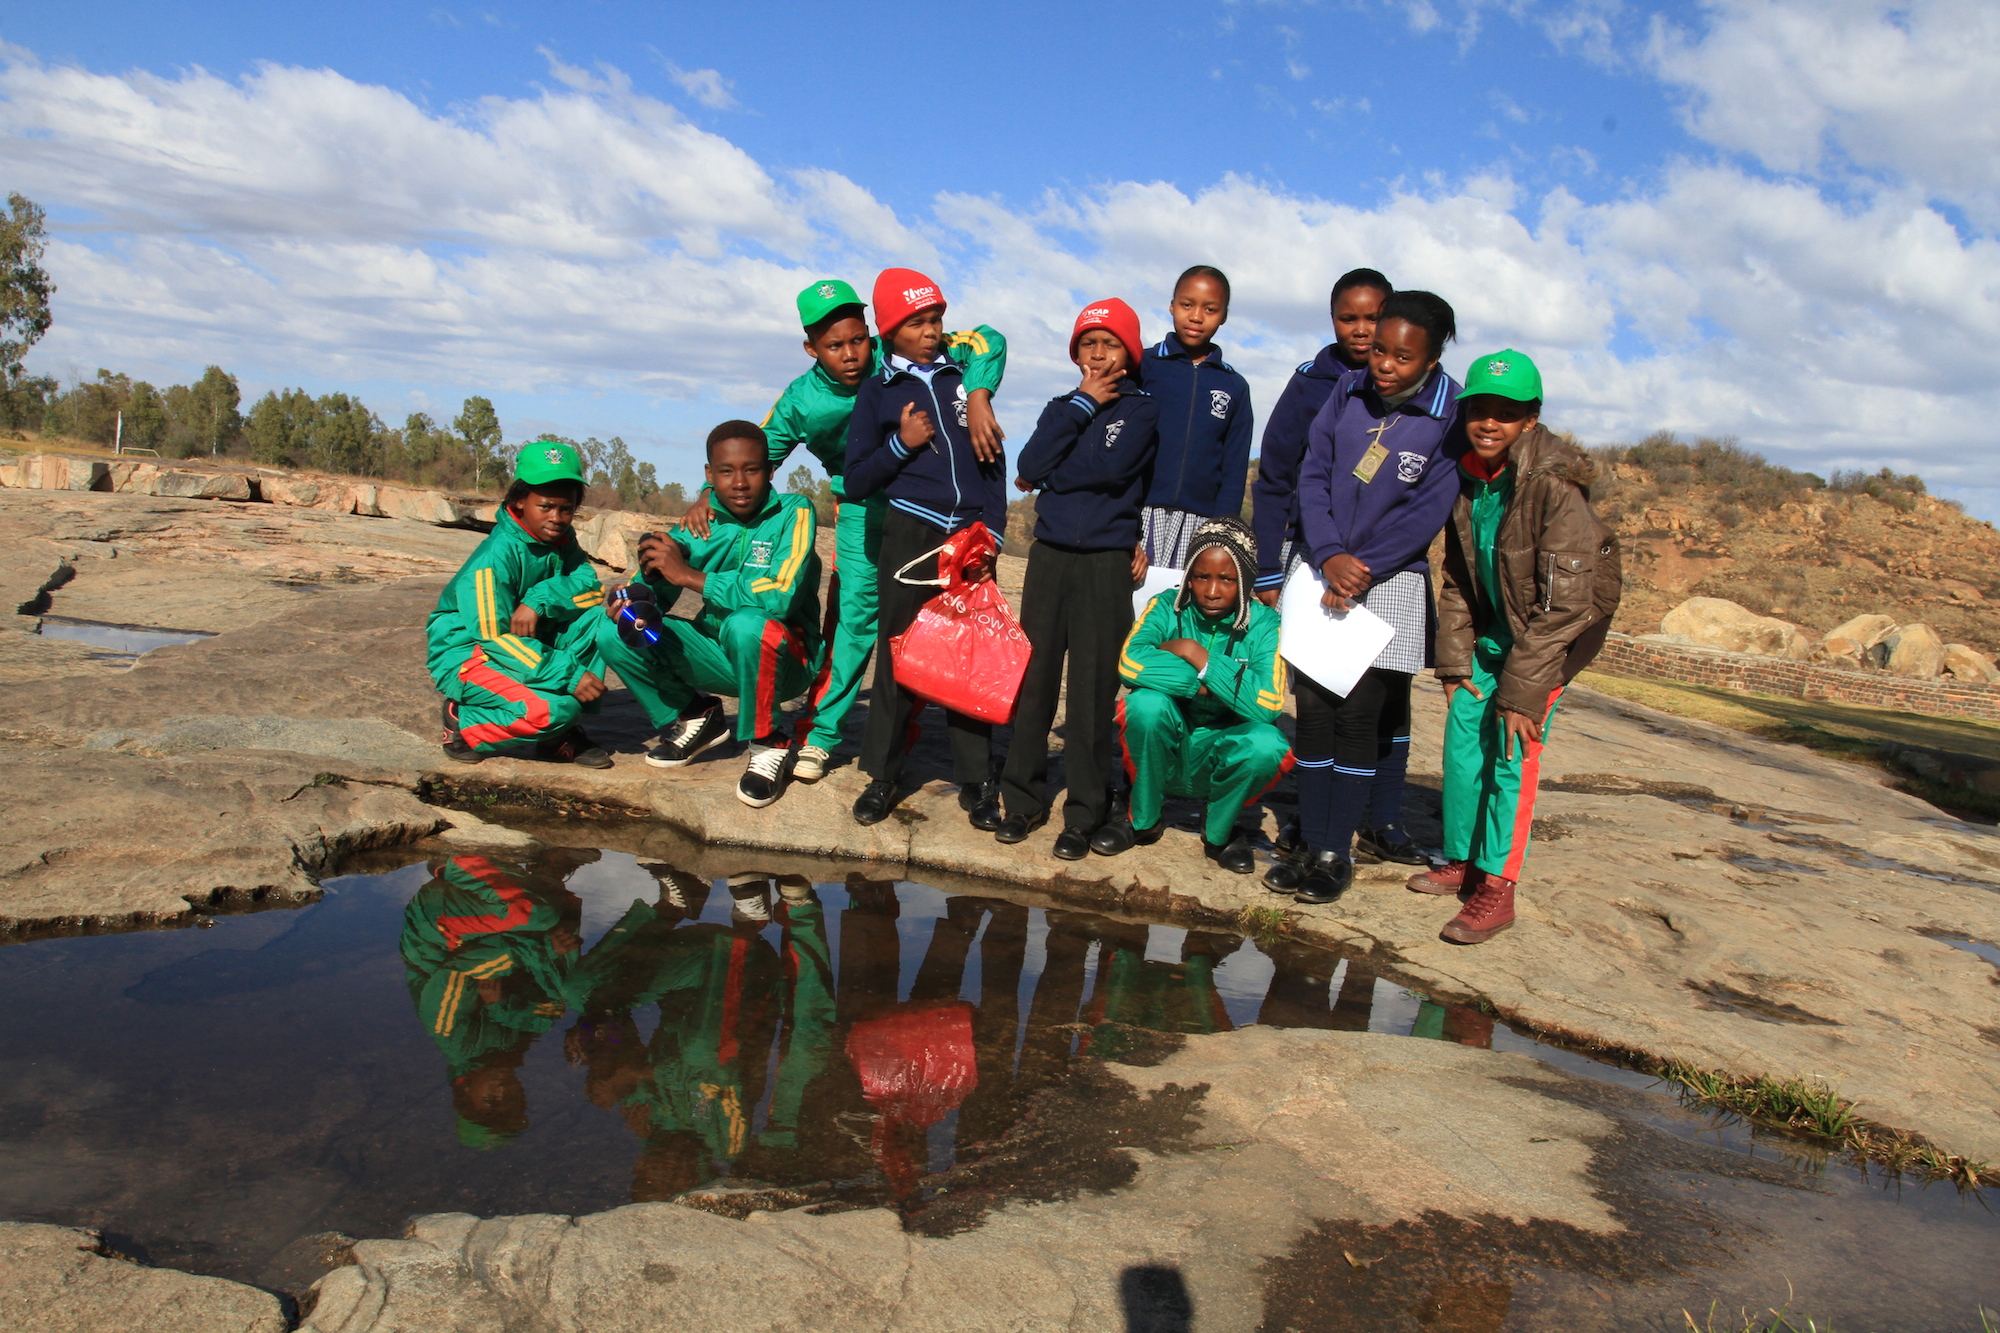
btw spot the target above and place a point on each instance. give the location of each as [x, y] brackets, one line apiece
[755, 1039]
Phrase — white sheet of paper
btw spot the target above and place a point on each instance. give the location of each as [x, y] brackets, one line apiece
[1157, 582]
[1333, 648]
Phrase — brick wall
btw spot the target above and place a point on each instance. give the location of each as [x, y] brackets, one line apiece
[1626, 656]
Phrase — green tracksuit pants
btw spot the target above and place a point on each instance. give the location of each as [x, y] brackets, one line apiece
[857, 542]
[758, 661]
[506, 705]
[1165, 755]
[1489, 799]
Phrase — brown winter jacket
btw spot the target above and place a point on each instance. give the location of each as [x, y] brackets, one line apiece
[1559, 573]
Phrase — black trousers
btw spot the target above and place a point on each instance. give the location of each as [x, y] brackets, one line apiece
[886, 742]
[1079, 604]
[1355, 730]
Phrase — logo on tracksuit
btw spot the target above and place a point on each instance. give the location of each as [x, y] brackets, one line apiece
[1111, 432]
[1218, 403]
[1410, 466]
[760, 554]
[961, 406]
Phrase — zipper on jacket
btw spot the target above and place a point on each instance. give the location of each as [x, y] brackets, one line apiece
[1187, 436]
[1549, 583]
[950, 462]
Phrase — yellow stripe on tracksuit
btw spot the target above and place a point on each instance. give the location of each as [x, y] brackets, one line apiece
[1274, 698]
[801, 548]
[970, 338]
[595, 597]
[1126, 666]
[454, 990]
[484, 600]
[519, 649]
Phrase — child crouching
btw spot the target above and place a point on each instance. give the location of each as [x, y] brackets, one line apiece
[1530, 579]
[1207, 686]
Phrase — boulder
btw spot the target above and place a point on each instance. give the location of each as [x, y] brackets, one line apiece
[54, 472]
[1719, 623]
[1858, 635]
[62, 1280]
[131, 478]
[418, 506]
[1915, 650]
[1962, 663]
[202, 486]
[307, 492]
[611, 537]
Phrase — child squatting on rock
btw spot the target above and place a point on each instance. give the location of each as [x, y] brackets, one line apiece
[814, 411]
[757, 636]
[1207, 688]
[512, 646]
[1091, 457]
[1530, 580]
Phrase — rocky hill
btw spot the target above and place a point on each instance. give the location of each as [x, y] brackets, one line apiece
[1711, 520]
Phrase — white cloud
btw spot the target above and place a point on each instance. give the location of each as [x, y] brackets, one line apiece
[706, 86]
[590, 239]
[1904, 90]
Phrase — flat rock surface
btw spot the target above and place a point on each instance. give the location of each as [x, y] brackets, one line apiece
[60, 1280]
[1695, 892]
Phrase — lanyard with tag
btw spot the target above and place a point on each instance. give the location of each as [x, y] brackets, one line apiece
[1371, 462]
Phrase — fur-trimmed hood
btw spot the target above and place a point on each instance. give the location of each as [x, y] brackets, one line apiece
[1542, 451]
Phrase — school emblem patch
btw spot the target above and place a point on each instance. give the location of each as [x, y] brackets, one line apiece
[1497, 368]
[826, 291]
[961, 406]
[554, 456]
[1218, 404]
[1410, 466]
[760, 553]
[1111, 432]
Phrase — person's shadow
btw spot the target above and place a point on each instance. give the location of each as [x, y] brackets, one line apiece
[1156, 1300]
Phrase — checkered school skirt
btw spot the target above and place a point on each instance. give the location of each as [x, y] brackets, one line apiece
[1404, 600]
[1165, 533]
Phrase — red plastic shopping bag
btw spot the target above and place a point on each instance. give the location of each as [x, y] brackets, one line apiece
[964, 650]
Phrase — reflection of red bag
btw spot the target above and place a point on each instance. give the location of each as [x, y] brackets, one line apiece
[916, 1064]
[964, 650]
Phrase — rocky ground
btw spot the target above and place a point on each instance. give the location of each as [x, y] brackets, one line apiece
[1695, 893]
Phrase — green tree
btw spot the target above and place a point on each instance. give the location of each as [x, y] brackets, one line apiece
[145, 417]
[479, 427]
[212, 403]
[674, 493]
[799, 481]
[279, 426]
[344, 437]
[25, 288]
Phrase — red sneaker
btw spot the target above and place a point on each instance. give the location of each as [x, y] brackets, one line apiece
[1444, 879]
[1489, 911]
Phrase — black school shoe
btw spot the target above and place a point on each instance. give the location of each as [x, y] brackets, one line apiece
[1146, 837]
[1113, 837]
[1389, 843]
[456, 749]
[1072, 844]
[1236, 856]
[1327, 876]
[981, 802]
[872, 806]
[1016, 828]
[572, 747]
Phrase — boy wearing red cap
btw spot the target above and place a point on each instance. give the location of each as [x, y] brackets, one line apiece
[909, 442]
[814, 411]
[1091, 459]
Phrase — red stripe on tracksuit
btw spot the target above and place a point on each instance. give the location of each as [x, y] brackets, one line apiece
[1283, 768]
[1524, 800]
[732, 1000]
[1131, 769]
[534, 709]
[777, 638]
[519, 905]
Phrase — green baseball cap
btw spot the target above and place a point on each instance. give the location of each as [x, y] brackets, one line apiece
[1505, 374]
[823, 298]
[475, 1135]
[548, 460]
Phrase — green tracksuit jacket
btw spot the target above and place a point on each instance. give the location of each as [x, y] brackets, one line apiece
[814, 408]
[1222, 746]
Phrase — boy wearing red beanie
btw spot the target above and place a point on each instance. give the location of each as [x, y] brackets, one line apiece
[1091, 459]
[909, 442]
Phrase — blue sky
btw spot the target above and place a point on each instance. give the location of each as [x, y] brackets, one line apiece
[1769, 220]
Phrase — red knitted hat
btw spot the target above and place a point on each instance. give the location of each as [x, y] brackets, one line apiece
[1110, 313]
[900, 293]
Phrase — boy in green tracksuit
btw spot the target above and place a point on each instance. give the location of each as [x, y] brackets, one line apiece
[1525, 595]
[757, 636]
[1207, 687]
[511, 646]
[813, 411]
[487, 949]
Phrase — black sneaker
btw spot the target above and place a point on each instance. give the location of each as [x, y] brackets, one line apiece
[456, 749]
[1327, 876]
[1389, 843]
[572, 747]
[875, 802]
[1235, 856]
[764, 777]
[689, 737]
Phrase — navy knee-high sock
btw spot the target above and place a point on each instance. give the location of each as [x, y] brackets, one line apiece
[1331, 799]
[1385, 796]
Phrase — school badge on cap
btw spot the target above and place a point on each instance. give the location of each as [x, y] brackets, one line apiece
[1505, 374]
[822, 299]
[548, 460]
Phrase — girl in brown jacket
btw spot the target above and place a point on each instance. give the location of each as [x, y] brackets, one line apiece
[1525, 595]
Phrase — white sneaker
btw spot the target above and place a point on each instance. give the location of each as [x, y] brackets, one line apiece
[749, 899]
[763, 777]
[810, 766]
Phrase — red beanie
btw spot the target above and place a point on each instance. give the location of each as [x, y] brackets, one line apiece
[900, 293]
[1110, 313]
